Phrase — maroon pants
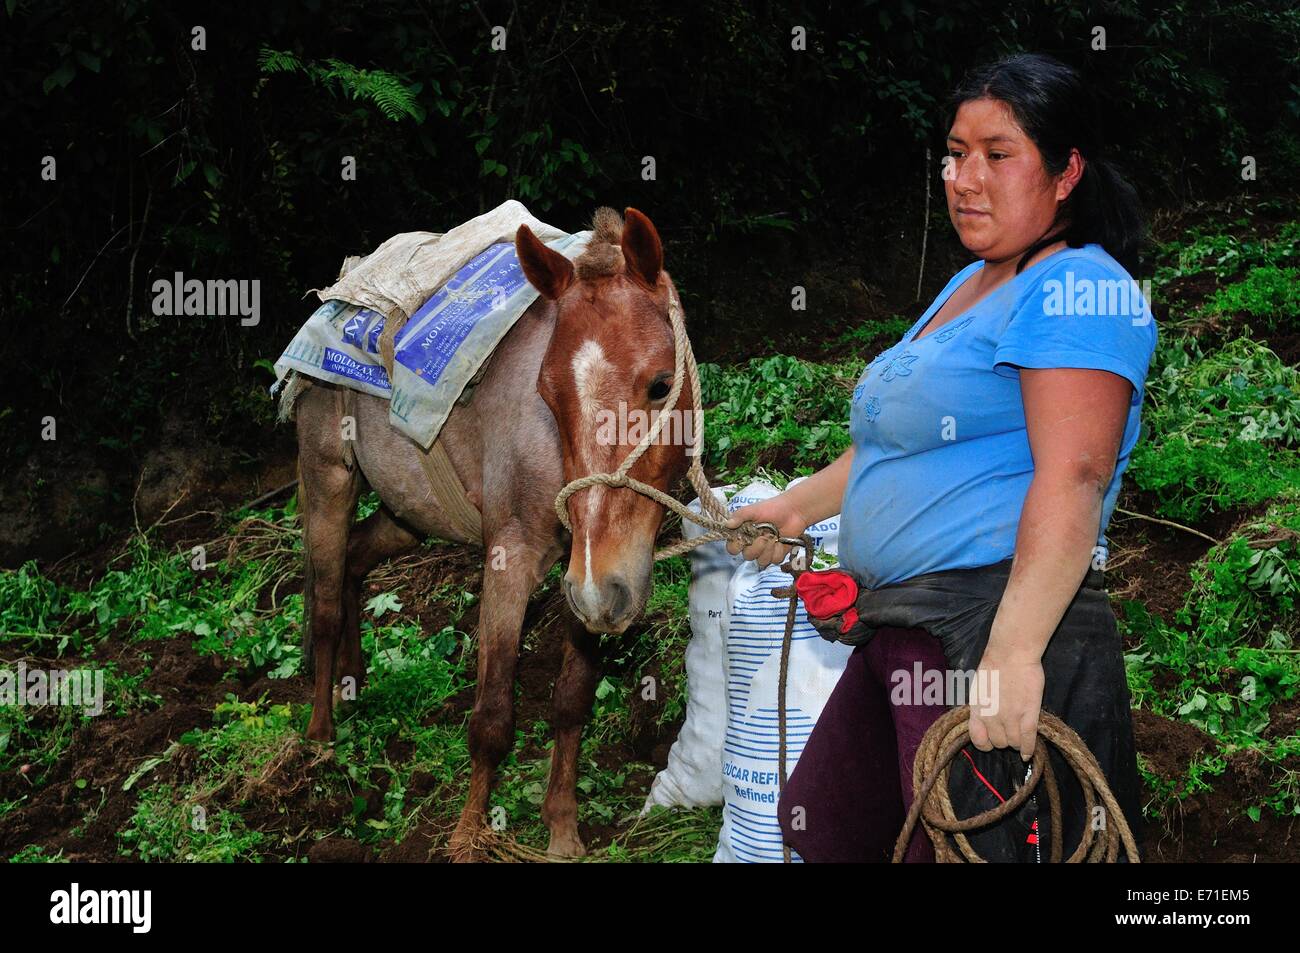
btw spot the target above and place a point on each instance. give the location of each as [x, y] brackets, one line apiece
[854, 777]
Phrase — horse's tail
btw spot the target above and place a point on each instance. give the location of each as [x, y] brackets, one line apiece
[290, 391]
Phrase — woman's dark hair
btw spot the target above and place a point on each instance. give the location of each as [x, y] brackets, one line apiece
[1058, 112]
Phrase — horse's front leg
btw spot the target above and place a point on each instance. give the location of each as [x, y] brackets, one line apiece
[575, 689]
[508, 581]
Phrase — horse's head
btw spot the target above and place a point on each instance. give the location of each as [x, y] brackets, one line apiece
[608, 368]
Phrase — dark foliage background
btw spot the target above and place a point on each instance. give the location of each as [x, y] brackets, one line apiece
[771, 163]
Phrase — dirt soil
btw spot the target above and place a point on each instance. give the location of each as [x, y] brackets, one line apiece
[1210, 826]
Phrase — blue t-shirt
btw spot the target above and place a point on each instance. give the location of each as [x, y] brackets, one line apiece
[941, 461]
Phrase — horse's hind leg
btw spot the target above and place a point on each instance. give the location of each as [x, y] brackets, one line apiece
[376, 538]
[328, 496]
[575, 690]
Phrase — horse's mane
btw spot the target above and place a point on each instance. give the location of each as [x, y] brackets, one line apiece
[603, 256]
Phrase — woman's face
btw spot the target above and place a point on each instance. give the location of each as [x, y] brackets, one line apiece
[1000, 198]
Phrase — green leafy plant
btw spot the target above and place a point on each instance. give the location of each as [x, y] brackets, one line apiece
[165, 828]
[1220, 428]
[35, 854]
[772, 404]
[30, 604]
[1268, 295]
[390, 93]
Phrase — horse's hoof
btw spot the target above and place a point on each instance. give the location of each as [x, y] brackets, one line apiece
[321, 733]
[566, 847]
[462, 850]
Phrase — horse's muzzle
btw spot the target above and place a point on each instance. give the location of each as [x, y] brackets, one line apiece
[606, 607]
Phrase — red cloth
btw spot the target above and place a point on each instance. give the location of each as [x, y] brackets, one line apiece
[827, 593]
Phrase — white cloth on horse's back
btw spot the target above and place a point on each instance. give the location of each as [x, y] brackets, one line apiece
[459, 293]
[401, 274]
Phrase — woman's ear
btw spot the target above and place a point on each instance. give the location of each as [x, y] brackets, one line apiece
[546, 269]
[1074, 167]
[643, 253]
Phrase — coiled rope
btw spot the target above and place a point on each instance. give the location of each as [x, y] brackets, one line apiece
[932, 805]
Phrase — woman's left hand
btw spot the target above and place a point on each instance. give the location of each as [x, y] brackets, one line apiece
[1006, 698]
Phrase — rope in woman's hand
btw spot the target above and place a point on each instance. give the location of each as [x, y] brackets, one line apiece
[932, 806]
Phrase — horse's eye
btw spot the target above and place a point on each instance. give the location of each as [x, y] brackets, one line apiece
[660, 389]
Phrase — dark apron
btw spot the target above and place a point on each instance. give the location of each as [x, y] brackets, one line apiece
[1084, 685]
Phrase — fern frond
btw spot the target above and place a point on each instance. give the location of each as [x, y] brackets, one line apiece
[278, 61]
[388, 92]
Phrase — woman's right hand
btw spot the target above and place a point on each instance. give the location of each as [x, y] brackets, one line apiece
[766, 550]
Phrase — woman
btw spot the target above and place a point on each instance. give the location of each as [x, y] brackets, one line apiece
[991, 438]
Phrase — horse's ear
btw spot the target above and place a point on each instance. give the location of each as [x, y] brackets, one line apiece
[546, 269]
[643, 253]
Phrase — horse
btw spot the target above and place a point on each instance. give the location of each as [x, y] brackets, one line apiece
[597, 338]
